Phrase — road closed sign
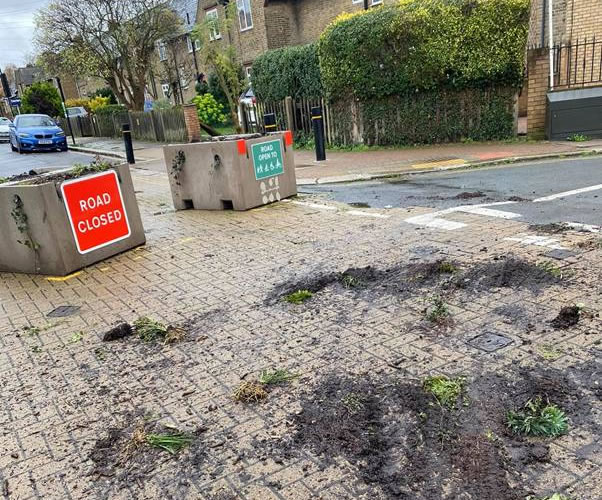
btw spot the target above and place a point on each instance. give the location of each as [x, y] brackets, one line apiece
[96, 211]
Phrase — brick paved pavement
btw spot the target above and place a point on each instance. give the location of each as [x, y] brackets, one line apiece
[61, 394]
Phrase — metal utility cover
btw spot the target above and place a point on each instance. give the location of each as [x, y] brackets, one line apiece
[63, 311]
[559, 254]
[490, 341]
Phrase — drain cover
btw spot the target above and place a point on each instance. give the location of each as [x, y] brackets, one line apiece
[490, 342]
[63, 311]
[560, 254]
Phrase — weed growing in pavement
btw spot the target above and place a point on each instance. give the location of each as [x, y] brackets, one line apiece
[250, 392]
[446, 390]
[538, 419]
[76, 337]
[36, 349]
[447, 267]
[549, 352]
[555, 496]
[171, 443]
[578, 138]
[100, 354]
[150, 330]
[552, 269]
[298, 297]
[353, 403]
[349, 281]
[438, 312]
[278, 376]
[36, 330]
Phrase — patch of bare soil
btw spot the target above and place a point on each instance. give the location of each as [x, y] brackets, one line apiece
[404, 444]
[123, 457]
[466, 195]
[551, 228]
[507, 273]
[401, 280]
[567, 317]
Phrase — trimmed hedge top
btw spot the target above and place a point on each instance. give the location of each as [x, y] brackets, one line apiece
[289, 71]
[419, 45]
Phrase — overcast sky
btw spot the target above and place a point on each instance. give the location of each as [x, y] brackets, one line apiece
[16, 29]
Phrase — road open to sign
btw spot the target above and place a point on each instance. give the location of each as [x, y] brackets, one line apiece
[96, 211]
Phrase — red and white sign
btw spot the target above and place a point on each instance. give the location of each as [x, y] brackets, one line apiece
[96, 211]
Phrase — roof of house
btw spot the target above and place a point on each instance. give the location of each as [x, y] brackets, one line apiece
[28, 75]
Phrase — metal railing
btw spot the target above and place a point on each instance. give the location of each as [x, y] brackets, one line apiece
[578, 64]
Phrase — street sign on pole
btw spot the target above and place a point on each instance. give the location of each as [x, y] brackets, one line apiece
[15, 102]
[267, 159]
[96, 211]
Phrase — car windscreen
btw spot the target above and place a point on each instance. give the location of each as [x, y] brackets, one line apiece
[4, 121]
[35, 121]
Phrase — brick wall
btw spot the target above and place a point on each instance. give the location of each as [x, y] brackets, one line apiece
[535, 23]
[281, 24]
[538, 68]
[314, 15]
[193, 127]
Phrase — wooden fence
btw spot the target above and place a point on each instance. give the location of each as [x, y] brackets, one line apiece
[161, 126]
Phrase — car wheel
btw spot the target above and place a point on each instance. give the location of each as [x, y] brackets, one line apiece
[12, 148]
[19, 149]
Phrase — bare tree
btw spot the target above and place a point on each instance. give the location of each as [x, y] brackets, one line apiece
[114, 40]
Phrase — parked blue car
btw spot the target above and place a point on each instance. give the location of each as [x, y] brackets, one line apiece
[36, 133]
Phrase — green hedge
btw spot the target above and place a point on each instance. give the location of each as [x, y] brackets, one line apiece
[421, 45]
[289, 71]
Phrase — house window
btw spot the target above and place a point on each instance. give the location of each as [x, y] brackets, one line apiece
[248, 71]
[197, 44]
[189, 43]
[377, 2]
[162, 51]
[212, 19]
[165, 89]
[244, 14]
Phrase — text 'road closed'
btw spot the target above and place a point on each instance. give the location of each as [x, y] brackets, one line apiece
[96, 212]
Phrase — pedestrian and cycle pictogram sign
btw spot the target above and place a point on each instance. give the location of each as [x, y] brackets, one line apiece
[267, 159]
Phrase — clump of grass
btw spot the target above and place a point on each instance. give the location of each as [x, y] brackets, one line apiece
[96, 166]
[538, 419]
[298, 297]
[438, 312]
[250, 392]
[349, 281]
[577, 138]
[278, 376]
[76, 337]
[551, 268]
[446, 267]
[150, 330]
[174, 334]
[172, 443]
[549, 352]
[446, 390]
[353, 403]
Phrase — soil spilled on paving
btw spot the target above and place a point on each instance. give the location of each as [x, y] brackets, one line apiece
[417, 278]
[404, 444]
[469, 195]
[567, 317]
[551, 228]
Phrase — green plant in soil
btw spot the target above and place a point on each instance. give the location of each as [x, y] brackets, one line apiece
[349, 281]
[551, 268]
[171, 443]
[150, 330]
[278, 376]
[549, 352]
[578, 138]
[445, 390]
[447, 268]
[438, 312]
[298, 297]
[97, 166]
[538, 419]
[76, 337]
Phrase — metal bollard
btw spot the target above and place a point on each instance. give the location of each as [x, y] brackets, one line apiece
[269, 122]
[318, 124]
[127, 139]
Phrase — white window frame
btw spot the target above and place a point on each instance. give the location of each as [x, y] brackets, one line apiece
[248, 72]
[214, 33]
[376, 2]
[197, 44]
[242, 5]
[189, 44]
[166, 93]
[162, 49]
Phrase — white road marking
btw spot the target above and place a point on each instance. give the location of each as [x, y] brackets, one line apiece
[434, 219]
[587, 228]
[360, 213]
[569, 193]
[540, 241]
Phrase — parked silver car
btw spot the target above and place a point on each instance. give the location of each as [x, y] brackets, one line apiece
[4, 123]
[77, 111]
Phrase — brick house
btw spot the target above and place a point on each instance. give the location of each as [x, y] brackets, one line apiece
[270, 24]
[578, 41]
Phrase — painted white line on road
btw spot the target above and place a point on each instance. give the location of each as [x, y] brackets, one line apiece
[587, 228]
[434, 219]
[314, 205]
[540, 241]
[361, 213]
[569, 193]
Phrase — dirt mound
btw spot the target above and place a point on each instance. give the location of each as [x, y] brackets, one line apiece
[551, 228]
[567, 317]
[507, 273]
[469, 195]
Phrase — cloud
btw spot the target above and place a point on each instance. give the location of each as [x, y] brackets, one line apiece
[17, 29]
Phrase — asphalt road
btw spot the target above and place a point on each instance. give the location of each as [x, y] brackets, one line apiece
[14, 163]
[522, 183]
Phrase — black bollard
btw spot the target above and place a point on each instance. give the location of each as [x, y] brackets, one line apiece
[318, 123]
[269, 122]
[127, 139]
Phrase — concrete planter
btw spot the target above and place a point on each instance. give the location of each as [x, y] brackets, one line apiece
[242, 173]
[36, 232]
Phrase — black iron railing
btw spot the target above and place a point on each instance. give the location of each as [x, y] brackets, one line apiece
[578, 64]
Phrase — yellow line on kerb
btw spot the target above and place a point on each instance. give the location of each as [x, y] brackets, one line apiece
[442, 163]
[63, 278]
